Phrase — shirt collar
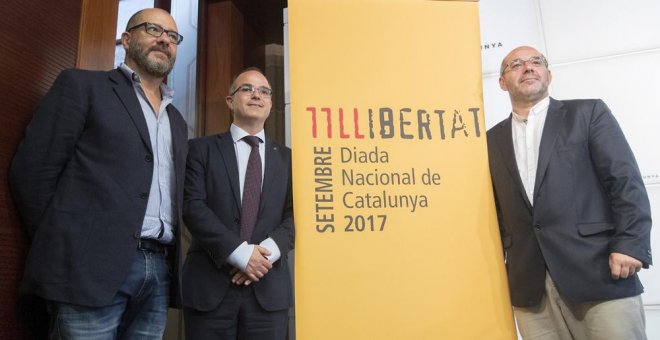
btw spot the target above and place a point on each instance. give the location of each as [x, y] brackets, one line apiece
[536, 110]
[237, 133]
[165, 91]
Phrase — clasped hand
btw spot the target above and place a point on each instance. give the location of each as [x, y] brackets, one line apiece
[257, 267]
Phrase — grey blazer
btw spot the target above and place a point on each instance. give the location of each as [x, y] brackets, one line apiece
[589, 201]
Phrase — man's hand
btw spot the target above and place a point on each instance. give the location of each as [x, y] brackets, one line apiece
[238, 277]
[258, 266]
[623, 266]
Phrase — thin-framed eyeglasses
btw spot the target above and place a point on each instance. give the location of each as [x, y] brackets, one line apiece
[517, 64]
[157, 30]
[249, 89]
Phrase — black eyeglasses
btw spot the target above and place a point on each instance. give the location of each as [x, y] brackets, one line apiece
[157, 30]
[249, 89]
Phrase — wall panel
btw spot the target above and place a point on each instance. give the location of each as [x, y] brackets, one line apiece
[96, 46]
[40, 38]
[576, 30]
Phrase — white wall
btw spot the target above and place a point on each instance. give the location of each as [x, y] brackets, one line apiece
[183, 77]
[607, 49]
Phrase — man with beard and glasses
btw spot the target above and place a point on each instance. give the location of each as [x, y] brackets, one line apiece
[98, 182]
[574, 214]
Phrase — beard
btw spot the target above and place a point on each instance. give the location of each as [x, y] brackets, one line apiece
[156, 68]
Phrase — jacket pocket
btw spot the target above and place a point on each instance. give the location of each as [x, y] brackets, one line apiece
[579, 145]
[587, 229]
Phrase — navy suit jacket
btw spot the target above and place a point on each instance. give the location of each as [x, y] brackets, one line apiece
[589, 201]
[81, 179]
[212, 213]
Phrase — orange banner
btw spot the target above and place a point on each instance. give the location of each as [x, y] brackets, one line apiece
[396, 232]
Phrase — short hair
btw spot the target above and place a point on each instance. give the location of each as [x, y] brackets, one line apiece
[233, 85]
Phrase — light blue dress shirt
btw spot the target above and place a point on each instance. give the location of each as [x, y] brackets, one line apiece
[159, 218]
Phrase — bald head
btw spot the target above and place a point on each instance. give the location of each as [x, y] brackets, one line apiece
[525, 75]
[518, 50]
[138, 17]
[150, 41]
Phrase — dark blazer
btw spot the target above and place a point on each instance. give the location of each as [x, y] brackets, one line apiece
[589, 201]
[212, 213]
[81, 179]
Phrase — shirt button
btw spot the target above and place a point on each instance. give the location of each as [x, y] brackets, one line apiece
[148, 158]
[537, 226]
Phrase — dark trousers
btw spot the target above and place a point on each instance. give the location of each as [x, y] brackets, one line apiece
[238, 316]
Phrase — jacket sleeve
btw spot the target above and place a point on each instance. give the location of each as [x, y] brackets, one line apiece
[49, 143]
[619, 175]
[206, 227]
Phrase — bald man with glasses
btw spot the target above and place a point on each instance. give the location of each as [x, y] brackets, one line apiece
[238, 206]
[98, 181]
[574, 214]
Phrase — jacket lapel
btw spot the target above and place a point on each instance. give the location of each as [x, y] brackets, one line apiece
[553, 123]
[505, 143]
[124, 90]
[228, 152]
[179, 145]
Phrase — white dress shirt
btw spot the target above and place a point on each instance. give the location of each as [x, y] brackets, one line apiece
[240, 257]
[527, 135]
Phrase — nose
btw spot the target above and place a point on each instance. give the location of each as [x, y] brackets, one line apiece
[164, 39]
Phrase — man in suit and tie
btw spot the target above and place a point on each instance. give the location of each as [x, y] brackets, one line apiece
[98, 181]
[574, 215]
[239, 210]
